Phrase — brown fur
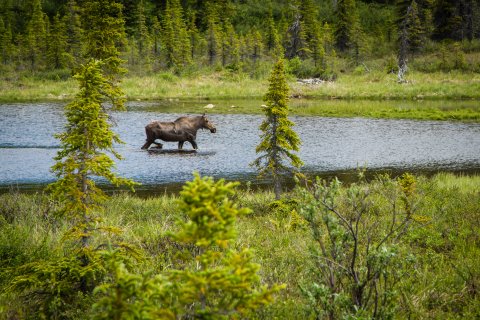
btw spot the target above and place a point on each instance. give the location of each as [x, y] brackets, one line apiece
[181, 130]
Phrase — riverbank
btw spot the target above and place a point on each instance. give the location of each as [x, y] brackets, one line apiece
[439, 255]
[223, 85]
[433, 96]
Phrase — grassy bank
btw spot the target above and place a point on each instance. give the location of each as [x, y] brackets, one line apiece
[433, 96]
[223, 85]
[442, 245]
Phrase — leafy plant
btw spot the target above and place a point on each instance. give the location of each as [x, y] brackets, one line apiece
[356, 232]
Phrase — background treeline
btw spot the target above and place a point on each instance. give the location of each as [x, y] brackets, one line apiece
[319, 37]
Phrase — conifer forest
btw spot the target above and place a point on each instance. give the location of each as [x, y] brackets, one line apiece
[299, 97]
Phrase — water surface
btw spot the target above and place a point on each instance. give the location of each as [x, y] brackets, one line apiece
[27, 145]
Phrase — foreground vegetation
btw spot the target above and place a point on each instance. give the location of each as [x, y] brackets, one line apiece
[429, 269]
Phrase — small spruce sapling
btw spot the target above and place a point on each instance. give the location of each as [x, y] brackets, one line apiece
[221, 283]
[278, 137]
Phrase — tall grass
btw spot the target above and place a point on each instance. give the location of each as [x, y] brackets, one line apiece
[445, 244]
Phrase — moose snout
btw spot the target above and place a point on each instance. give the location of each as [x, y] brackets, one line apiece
[213, 130]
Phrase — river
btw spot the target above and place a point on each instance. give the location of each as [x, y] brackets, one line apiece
[329, 145]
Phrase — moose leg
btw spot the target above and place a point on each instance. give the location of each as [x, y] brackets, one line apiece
[180, 145]
[158, 144]
[147, 144]
[194, 144]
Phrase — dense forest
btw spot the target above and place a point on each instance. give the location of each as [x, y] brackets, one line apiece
[185, 35]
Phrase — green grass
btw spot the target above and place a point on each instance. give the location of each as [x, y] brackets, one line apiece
[446, 248]
[375, 85]
[434, 96]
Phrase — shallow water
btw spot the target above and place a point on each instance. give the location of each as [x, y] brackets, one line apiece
[27, 145]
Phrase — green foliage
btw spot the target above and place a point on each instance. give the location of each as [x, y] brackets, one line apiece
[439, 283]
[35, 40]
[105, 34]
[6, 46]
[278, 140]
[347, 23]
[356, 231]
[212, 281]
[74, 31]
[211, 214]
[175, 36]
[129, 295]
[87, 135]
[57, 57]
[221, 283]
[54, 286]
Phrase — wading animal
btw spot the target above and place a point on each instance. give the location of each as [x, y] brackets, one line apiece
[181, 130]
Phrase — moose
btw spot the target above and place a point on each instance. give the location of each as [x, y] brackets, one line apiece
[181, 130]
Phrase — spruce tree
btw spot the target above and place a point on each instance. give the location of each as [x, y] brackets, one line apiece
[69, 278]
[57, 40]
[256, 45]
[194, 35]
[104, 35]
[6, 43]
[230, 47]
[85, 143]
[309, 14]
[176, 39]
[142, 35]
[36, 37]
[156, 31]
[219, 282]
[272, 40]
[278, 139]
[346, 23]
[415, 30]
[296, 38]
[211, 280]
[213, 35]
[71, 19]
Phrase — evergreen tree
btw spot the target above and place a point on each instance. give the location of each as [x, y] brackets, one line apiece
[71, 20]
[212, 281]
[213, 35]
[296, 45]
[36, 37]
[415, 31]
[328, 43]
[67, 280]
[309, 14]
[194, 35]
[176, 39]
[57, 40]
[104, 34]
[256, 45]
[87, 137]
[141, 32]
[219, 282]
[272, 40]
[6, 44]
[278, 138]
[156, 32]
[346, 23]
[230, 47]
